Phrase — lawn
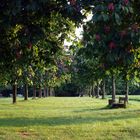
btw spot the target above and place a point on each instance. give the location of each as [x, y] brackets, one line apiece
[68, 119]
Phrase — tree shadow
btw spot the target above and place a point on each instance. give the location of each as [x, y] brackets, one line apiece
[58, 121]
[93, 109]
[138, 100]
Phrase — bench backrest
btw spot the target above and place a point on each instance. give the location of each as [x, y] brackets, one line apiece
[122, 99]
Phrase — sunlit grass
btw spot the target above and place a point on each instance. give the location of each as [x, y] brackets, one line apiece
[68, 119]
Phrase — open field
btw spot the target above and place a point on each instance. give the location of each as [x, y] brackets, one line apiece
[68, 119]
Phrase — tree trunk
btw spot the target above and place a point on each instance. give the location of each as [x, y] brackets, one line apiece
[26, 92]
[89, 91]
[103, 90]
[14, 93]
[97, 93]
[45, 91]
[51, 93]
[34, 92]
[48, 91]
[127, 91]
[113, 89]
[40, 92]
[92, 91]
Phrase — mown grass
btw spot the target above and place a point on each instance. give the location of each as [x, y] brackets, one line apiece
[68, 119]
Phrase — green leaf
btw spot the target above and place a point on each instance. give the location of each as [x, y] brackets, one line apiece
[99, 18]
[105, 17]
[117, 18]
[131, 10]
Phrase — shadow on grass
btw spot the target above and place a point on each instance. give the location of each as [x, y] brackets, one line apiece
[138, 100]
[58, 121]
[92, 109]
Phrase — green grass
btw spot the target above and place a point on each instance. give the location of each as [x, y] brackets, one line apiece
[68, 119]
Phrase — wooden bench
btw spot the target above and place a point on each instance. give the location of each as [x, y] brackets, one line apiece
[118, 105]
[122, 100]
[121, 104]
[110, 102]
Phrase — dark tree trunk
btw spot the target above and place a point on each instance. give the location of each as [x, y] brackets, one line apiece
[113, 89]
[45, 91]
[103, 90]
[34, 92]
[89, 91]
[14, 93]
[40, 92]
[98, 90]
[127, 91]
[92, 91]
[48, 92]
[26, 92]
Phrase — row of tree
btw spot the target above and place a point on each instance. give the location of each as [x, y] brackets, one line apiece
[111, 46]
[32, 43]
